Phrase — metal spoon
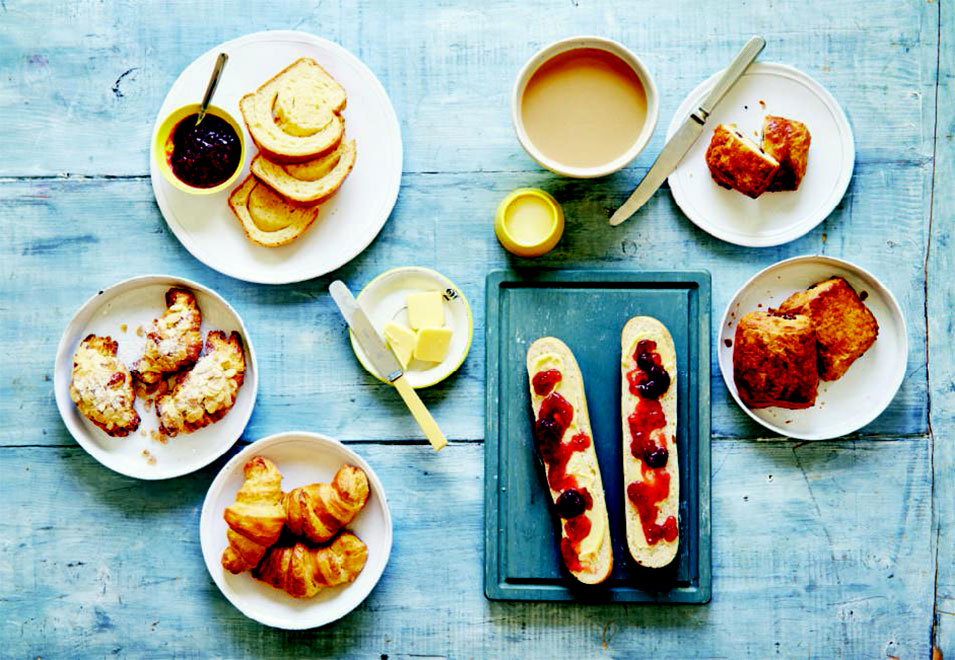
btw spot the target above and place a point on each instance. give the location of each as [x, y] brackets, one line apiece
[211, 87]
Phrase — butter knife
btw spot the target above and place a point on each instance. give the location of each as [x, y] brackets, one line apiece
[677, 146]
[384, 360]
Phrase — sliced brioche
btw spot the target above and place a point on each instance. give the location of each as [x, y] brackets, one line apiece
[267, 218]
[296, 116]
[550, 353]
[309, 182]
[661, 552]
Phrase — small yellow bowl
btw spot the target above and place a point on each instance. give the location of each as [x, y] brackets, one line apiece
[162, 147]
[541, 222]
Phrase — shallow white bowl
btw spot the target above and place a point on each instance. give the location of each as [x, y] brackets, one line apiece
[574, 43]
[302, 458]
[842, 406]
[134, 302]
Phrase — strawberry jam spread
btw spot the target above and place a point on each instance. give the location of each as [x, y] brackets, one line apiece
[648, 382]
[206, 155]
[553, 420]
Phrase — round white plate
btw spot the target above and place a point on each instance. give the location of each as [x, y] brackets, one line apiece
[302, 458]
[383, 300]
[777, 217]
[866, 389]
[136, 302]
[348, 222]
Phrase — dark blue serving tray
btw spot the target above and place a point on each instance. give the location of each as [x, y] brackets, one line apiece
[587, 310]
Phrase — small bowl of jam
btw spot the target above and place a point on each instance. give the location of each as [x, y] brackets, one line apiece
[203, 159]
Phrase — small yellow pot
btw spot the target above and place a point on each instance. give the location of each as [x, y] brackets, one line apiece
[162, 147]
[541, 234]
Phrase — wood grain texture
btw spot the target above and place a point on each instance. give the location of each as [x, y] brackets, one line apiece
[820, 550]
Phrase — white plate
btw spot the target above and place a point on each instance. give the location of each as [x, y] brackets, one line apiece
[867, 388]
[347, 223]
[778, 217]
[136, 302]
[302, 458]
[383, 300]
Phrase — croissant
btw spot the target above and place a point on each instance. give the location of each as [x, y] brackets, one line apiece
[303, 571]
[318, 511]
[256, 518]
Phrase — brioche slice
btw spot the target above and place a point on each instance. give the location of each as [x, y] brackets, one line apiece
[266, 217]
[310, 182]
[296, 115]
[565, 443]
[651, 468]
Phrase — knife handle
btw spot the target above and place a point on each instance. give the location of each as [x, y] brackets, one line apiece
[733, 72]
[420, 413]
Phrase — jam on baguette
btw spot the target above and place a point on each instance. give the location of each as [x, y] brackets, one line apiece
[650, 463]
[564, 442]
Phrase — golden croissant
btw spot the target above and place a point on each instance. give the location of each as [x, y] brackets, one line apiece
[303, 571]
[256, 518]
[318, 511]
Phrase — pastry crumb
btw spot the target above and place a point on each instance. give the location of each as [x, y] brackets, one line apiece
[139, 331]
[158, 437]
[149, 457]
[122, 327]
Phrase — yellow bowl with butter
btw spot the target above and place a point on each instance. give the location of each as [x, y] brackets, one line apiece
[163, 147]
[529, 222]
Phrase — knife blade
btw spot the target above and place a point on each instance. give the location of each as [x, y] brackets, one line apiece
[677, 146]
[384, 361]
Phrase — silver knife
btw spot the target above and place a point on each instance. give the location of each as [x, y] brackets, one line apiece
[677, 146]
[384, 361]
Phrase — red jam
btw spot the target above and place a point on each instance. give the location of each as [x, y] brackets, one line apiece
[206, 155]
[544, 381]
[554, 418]
[648, 382]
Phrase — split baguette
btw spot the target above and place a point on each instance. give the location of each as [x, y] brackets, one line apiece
[596, 567]
[662, 552]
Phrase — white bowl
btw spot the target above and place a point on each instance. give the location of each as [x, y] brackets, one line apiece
[842, 406]
[574, 43]
[134, 302]
[302, 458]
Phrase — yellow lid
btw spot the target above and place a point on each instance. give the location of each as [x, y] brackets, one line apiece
[529, 222]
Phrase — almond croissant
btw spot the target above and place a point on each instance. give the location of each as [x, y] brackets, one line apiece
[303, 571]
[256, 518]
[318, 511]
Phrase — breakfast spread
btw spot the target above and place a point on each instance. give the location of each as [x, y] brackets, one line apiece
[102, 387]
[313, 552]
[779, 164]
[204, 154]
[650, 462]
[564, 442]
[174, 341]
[780, 355]
[295, 120]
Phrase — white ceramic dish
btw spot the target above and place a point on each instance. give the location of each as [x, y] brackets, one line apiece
[383, 300]
[842, 406]
[773, 218]
[136, 302]
[574, 43]
[347, 223]
[302, 458]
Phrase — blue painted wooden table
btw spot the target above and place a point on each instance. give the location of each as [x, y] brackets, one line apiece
[821, 550]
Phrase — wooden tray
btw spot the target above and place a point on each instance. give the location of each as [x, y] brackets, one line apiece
[587, 309]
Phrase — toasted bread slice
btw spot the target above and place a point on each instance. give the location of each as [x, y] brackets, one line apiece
[267, 218]
[311, 182]
[649, 441]
[296, 115]
[590, 559]
[737, 162]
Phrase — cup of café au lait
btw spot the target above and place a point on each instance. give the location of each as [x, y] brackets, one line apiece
[584, 107]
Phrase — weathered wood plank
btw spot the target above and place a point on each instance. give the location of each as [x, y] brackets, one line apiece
[82, 98]
[300, 338]
[820, 550]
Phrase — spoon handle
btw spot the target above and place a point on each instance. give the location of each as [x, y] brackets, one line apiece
[211, 87]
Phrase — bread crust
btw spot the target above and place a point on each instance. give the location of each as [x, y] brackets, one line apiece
[598, 568]
[774, 360]
[736, 162]
[636, 329]
[303, 216]
[786, 140]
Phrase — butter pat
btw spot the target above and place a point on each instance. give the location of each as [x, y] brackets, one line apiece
[432, 344]
[592, 542]
[425, 310]
[402, 340]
